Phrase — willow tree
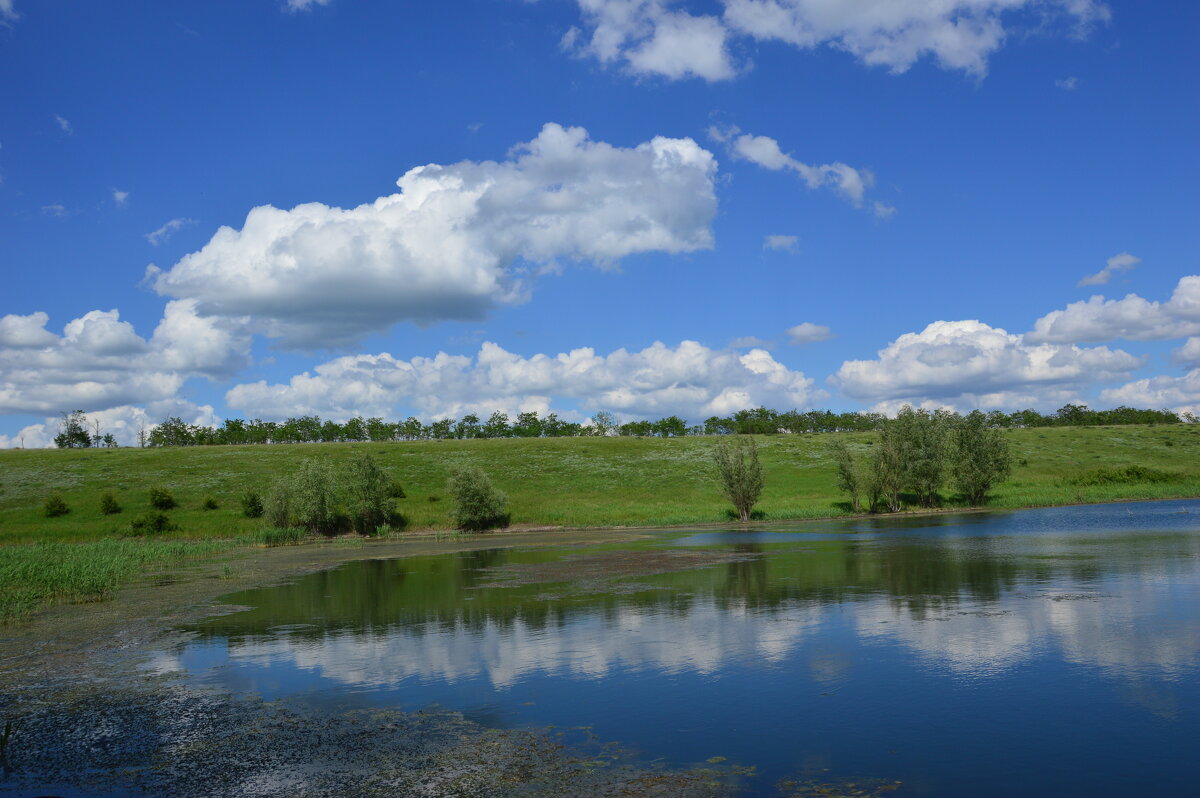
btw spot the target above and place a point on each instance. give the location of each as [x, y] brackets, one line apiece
[740, 475]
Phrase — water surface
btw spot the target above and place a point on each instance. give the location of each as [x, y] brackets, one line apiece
[1044, 651]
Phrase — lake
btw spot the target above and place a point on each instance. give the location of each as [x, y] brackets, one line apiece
[1039, 652]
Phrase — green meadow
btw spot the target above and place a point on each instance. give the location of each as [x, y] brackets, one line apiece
[576, 482]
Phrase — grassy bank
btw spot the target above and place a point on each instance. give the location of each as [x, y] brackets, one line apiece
[561, 481]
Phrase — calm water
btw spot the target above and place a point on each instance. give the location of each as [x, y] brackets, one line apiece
[1037, 652]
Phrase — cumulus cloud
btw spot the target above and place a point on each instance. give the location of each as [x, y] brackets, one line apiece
[1117, 263]
[689, 380]
[1132, 318]
[169, 229]
[1181, 394]
[100, 362]
[305, 5]
[120, 197]
[969, 364]
[664, 38]
[782, 243]
[455, 241]
[851, 183]
[808, 333]
[649, 37]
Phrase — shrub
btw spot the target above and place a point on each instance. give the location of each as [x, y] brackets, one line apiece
[55, 506]
[278, 509]
[252, 504]
[209, 503]
[1123, 476]
[313, 501]
[396, 490]
[108, 504]
[740, 477]
[368, 495]
[477, 503]
[151, 523]
[161, 499]
[849, 480]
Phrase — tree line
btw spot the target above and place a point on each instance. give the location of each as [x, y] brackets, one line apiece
[76, 431]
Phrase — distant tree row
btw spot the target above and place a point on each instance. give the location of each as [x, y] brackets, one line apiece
[76, 431]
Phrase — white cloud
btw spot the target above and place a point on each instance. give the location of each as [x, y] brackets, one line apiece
[455, 241]
[851, 183]
[649, 38]
[1117, 263]
[883, 210]
[808, 333]
[1181, 394]
[1132, 318]
[690, 380]
[784, 243]
[1188, 354]
[305, 5]
[120, 197]
[969, 364]
[749, 342]
[64, 125]
[8, 11]
[100, 362]
[1068, 84]
[169, 229]
[663, 37]
[54, 210]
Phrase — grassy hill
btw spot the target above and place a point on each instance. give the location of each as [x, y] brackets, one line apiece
[560, 481]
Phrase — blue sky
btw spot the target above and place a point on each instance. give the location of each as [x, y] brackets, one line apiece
[603, 204]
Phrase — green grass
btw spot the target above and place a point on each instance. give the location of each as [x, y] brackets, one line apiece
[37, 574]
[556, 481]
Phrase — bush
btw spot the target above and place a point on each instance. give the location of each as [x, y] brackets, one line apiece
[55, 506]
[741, 477]
[161, 499]
[314, 498]
[477, 503]
[396, 490]
[368, 495]
[1123, 476]
[108, 504]
[151, 523]
[278, 509]
[209, 503]
[252, 504]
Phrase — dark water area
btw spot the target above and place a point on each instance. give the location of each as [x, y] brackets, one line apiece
[1040, 652]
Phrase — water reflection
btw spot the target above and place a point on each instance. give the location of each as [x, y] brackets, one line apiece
[1024, 608]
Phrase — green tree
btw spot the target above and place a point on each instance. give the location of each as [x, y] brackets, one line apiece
[848, 479]
[740, 475]
[313, 500]
[477, 503]
[368, 495]
[981, 458]
[72, 431]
